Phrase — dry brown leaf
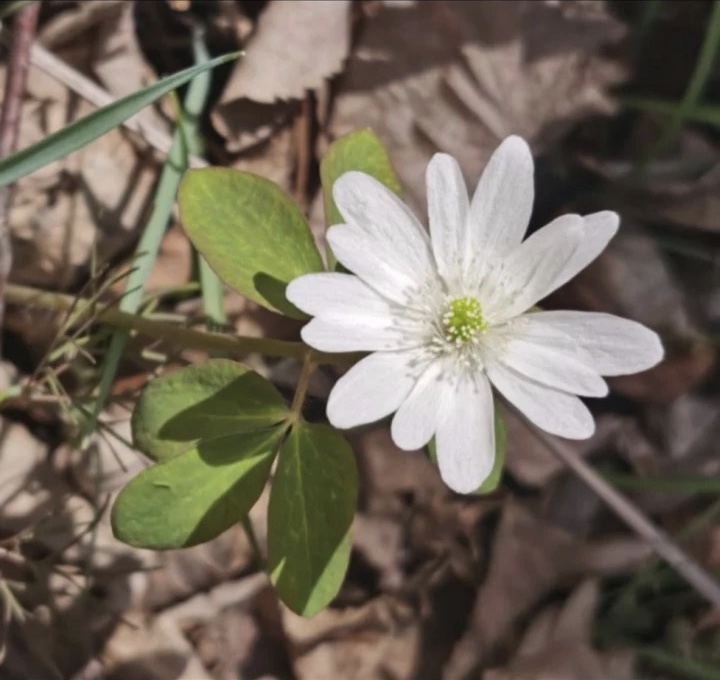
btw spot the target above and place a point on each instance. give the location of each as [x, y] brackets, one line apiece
[296, 46]
[459, 76]
[530, 559]
[93, 201]
[377, 640]
[24, 498]
[188, 571]
[245, 124]
[152, 649]
[687, 432]
[173, 265]
[274, 160]
[67, 31]
[89, 202]
[388, 472]
[530, 461]
[234, 628]
[118, 62]
[557, 645]
[120, 65]
[681, 190]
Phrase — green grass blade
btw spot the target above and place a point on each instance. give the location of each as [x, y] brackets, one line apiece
[7, 9]
[212, 296]
[694, 90]
[689, 668]
[211, 286]
[96, 124]
[149, 244]
[697, 485]
[700, 113]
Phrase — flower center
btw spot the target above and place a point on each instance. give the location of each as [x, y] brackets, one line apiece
[463, 320]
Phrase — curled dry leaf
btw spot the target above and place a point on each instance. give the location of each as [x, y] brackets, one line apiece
[530, 559]
[295, 48]
[460, 76]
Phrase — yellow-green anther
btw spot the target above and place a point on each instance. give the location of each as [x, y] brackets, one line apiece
[463, 319]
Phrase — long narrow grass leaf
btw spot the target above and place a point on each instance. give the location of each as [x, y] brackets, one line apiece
[212, 296]
[700, 113]
[149, 244]
[701, 74]
[96, 124]
[211, 286]
[690, 669]
[695, 485]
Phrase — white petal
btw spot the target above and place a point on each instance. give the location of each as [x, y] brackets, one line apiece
[369, 205]
[545, 354]
[363, 334]
[502, 203]
[416, 420]
[372, 389]
[332, 295]
[600, 227]
[553, 411]
[447, 211]
[465, 441]
[534, 269]
[373, 261]
[617, 346]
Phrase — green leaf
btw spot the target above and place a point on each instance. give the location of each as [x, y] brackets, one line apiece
[360, 150]
[493, 479]
[92, 126]
[195, 496]
[312, 504]
[211, 399]
[251, 233]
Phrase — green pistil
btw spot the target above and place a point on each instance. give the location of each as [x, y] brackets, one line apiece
[463, 320]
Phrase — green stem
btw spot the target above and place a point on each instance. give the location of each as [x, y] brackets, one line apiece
[254, 544]
[693, 91]
[696, 485]
[303, 381]
[186, 337]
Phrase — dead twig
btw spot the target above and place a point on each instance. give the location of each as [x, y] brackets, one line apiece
[658, 540]
[24, 26]
[302, 133]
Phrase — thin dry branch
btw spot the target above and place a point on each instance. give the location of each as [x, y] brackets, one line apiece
[24, 27]
[658, 540]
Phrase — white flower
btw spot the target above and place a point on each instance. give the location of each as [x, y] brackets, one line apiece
[449, 313]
